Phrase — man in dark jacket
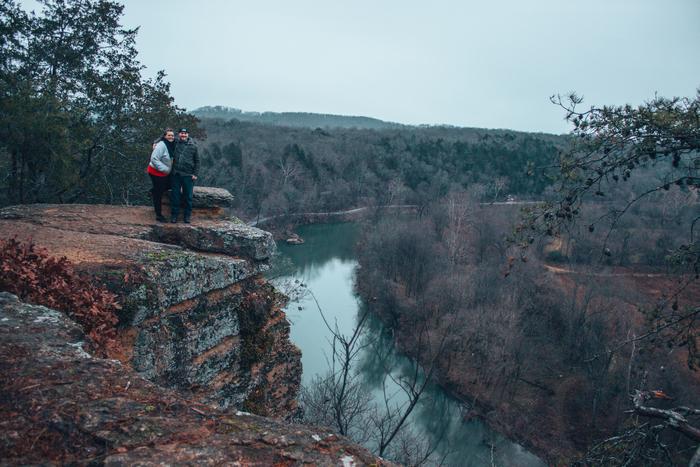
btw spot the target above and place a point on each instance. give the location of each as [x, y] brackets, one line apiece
[184, 174]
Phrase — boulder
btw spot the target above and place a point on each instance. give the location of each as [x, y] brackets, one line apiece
[294, 239]
[206, 202]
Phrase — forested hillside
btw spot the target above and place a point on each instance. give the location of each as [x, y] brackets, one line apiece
[294, 119]
[571, 325]
[281, 170]
[562, 320]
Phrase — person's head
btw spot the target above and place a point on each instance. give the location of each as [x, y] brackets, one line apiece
[168, 134]
[184, 134]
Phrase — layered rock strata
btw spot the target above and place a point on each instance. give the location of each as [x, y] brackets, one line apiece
[59, 405]
[196, 314]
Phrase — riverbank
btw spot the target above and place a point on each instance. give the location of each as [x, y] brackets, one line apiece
[518, 423]
[518, 349]
[282, 226]
[527, 353]
[286, 223]
[509, 422]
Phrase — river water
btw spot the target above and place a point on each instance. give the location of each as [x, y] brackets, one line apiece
[326, 265]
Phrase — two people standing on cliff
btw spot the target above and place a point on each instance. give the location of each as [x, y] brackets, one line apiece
[175, 165]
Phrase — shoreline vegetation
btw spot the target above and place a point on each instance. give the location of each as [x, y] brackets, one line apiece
[290, 170]
[563, 280]
[326, 266]
[295, 220]
[541, 344]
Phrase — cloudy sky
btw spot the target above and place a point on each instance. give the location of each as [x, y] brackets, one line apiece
[472, 63]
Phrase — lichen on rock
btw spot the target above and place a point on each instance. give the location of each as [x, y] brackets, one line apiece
[60, 406]
[185, 291]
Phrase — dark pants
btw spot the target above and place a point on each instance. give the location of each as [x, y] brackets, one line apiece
[182, 185]
[160, 186]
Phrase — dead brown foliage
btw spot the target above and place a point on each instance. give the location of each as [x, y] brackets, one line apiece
[35, 277]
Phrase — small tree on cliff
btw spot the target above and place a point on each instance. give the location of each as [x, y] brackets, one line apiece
[35, 277]
[615, 145]
[76, 116]
[610, 145]
[340, 401]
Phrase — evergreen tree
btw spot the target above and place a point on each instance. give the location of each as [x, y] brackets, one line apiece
[76, 116]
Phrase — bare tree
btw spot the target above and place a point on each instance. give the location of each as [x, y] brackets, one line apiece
[499, 184]
[340, 401]
[646, 442]
[612, 146]
[460, 215]
[288, 168]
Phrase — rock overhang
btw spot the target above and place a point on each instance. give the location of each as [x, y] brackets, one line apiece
[180, 288]
[226, 234]
[62, 405]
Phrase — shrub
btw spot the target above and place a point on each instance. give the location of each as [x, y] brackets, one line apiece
[35, 277]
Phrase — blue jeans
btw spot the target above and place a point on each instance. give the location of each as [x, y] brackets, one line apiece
[181, 184]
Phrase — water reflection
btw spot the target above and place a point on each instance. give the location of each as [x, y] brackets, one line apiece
[438, 418]
[325, 263]
[322, 243]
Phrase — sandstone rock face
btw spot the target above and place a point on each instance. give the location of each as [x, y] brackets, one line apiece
[218, 237]
[62, 406]
[197, 316]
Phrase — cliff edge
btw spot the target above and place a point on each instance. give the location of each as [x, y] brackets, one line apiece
[196, 314]
[60, 405]
[203, 341]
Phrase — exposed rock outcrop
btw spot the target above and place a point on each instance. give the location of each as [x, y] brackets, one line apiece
[294, 239]
[59, 405]
[197, 316]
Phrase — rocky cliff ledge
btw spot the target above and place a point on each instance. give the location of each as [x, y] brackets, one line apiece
[197, 316]
[59, 405]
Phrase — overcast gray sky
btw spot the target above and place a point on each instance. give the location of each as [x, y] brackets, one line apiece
[472, 63]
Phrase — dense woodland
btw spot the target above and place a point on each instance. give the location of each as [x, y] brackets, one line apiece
[554, 321]
[531, 344]
[282, 170]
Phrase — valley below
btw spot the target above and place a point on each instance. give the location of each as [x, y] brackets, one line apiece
[326, 266]
[526, 383]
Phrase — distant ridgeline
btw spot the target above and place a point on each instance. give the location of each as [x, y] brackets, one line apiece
[294, 119]
[299, 162]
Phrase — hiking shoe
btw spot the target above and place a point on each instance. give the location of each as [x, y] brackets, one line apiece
[173, 220]
[187, 220]
[161, 218]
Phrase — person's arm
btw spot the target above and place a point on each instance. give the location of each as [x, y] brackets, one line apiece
[195, 172]
[156, 158]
